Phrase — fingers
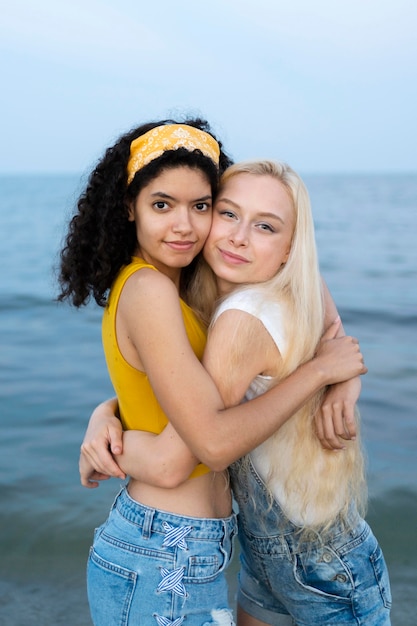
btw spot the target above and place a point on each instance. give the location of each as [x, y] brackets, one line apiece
[320, 431]
[341, 359]
[333, 329]
[102, 440]
[116, 439]
[92, 481]
[335, 424]
[349, 420]
[330, 438]
[88, 476]
[362, 366]
[88, 484]
[101, 460]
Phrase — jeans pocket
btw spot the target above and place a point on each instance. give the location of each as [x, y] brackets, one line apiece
[203, 567]
[324, 574]
[110, 590]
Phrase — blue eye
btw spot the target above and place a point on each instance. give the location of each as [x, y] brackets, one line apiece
[266, 227]
[227, 213]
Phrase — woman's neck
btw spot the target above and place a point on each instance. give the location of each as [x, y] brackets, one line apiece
[173, 273]
[224, 288]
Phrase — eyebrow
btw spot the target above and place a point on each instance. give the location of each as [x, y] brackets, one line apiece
[162, 194]
[264, 214]
[274, 216]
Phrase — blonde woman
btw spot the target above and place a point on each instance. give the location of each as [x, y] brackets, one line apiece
[307, 554]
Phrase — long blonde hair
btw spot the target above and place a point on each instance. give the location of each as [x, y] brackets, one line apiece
[312, 477]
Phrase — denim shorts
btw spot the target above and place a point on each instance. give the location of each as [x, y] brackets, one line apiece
[286, 581]
[150, 567]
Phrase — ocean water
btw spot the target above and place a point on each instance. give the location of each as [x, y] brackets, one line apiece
[52, 374]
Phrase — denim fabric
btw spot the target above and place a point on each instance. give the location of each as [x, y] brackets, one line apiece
[286, 582]
[154, 568]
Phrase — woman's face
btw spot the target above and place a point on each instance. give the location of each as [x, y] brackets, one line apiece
[252, 228]
[173, 218]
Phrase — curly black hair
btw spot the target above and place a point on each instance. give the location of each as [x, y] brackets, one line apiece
[100, 238]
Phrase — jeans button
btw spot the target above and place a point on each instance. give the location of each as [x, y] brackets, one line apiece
[341, 578]
[327, 557]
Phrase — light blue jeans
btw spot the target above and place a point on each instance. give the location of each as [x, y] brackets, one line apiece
[149, 567]
[285, 582]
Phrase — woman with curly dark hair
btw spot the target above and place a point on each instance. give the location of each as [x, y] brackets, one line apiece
[139, 227]
[100, 238]
[134, 245]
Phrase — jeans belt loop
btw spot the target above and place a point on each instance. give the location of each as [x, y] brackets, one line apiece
[147, 523]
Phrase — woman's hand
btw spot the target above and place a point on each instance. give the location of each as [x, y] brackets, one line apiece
[90, 478]
[336, 419]
[103, 438]
[339, 358]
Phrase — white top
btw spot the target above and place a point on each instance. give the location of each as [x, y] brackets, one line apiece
[253, 300]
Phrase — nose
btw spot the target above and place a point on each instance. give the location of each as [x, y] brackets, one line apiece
[239, 235]
[182, 222]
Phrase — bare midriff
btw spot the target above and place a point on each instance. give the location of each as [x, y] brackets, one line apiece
[208, 496]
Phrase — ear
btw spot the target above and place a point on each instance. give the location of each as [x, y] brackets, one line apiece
[131, 212]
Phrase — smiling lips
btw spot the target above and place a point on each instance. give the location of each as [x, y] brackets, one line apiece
[231, 258]
[181, 246]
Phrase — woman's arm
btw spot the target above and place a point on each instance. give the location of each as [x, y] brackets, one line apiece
[161, 460]
[188, 394]
[164, 460]
[335, 419]
[102, 439]
[175, 460]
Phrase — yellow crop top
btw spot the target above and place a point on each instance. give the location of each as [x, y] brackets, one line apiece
[139, 408]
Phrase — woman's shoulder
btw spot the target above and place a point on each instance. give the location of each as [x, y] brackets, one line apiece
[261, 306]
[144, 272]
[251, 299]
[144, 287]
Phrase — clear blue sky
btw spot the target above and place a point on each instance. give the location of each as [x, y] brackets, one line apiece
[328, 86]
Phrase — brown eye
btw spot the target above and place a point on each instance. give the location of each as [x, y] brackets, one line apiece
[202, 207]
[160, 205]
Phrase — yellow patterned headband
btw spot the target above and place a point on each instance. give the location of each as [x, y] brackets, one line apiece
[152, 144]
